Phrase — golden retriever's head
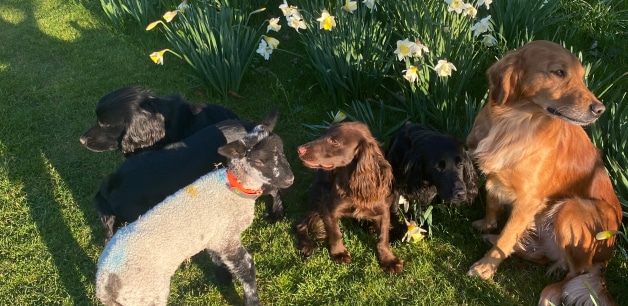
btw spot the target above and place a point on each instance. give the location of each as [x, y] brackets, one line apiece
[549, 76]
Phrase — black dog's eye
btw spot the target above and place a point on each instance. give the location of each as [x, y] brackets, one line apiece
[458, 161]
[559, 73]
[441, 165]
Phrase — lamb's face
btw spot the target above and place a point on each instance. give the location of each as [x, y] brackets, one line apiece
[268, 158]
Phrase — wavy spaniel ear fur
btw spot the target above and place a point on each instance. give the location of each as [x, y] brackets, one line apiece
[145, 129]
[503, 77]
[470, 177]
[372, 175]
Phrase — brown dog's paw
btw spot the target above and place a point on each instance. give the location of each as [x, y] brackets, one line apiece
[306, 248]
[341, 258]
[482, 269]
[394, 266]
[484, 226]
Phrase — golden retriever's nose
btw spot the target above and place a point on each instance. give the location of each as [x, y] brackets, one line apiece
[597, 108]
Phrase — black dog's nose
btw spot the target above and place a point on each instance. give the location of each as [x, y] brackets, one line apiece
[597, 108]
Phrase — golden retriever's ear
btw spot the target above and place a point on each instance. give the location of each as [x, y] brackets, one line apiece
[503, 77]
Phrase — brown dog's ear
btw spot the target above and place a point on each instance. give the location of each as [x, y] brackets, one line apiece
[503, 77]
[372, 175]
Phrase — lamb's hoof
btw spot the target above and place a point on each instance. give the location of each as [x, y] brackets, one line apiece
[394, 266]
[274, 216]
[482, 270]
[484, 226]
[341, 258]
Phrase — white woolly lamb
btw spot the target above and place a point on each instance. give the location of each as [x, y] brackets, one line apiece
[136, 266]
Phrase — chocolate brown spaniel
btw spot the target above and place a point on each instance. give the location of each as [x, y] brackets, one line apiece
[353, 180]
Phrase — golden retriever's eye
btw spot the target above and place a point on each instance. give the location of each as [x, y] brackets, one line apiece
[559, 73]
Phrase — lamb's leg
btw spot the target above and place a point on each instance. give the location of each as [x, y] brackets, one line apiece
[274, 210]
[240, 262]
[221, 271]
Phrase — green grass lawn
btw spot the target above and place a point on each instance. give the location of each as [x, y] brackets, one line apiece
[57, 58]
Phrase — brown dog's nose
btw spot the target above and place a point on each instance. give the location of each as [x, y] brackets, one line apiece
[301, 150]
[597, 108]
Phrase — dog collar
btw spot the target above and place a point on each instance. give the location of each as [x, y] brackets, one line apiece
[236, 187]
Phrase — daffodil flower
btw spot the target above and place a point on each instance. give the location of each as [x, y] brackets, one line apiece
[158, 56]
[289, 11]
[350, 6]
[273, 24]
[414, 232]
[444, 68]
[168, 16]
[488, 40]
[339, 117]
[272, 42]
[455, 5]
[184, 5]
[411, 74]
[419, 49]
[606, 235]
[404, 48]
[153, 24]
[296, 23]
[370, 4]
[485, 2]
[264, 49]
[470, 10]
[326, 21]
[481, 26]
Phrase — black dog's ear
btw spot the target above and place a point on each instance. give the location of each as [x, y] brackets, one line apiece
[470, 177]
[144, 130]
[235, 149]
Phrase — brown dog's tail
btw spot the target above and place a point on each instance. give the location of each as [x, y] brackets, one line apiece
[588, 289]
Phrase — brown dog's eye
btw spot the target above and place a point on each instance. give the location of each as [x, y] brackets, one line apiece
[560, 73]
[333, 142]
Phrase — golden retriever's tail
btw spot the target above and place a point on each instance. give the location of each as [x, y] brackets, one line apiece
[588, 289]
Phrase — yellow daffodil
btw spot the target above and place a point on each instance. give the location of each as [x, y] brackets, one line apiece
[153, 24]
[370, 4]
[455, 5]
[605, 235]
[168, 16]
[482, 26]
[272, 42]
[414, 232]
[273, 24]
[404, 48]
[411, 74]
[350, 6]
[158, 56]
[488, 40]
[339, 117]
[444, 68]
[296, 23]
[264, 49]
[326, 21]
[485, 2]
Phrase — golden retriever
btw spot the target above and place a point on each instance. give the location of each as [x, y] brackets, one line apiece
[529, 142]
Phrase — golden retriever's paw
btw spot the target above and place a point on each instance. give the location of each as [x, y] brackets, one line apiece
[492, 239]
[341, 258]
[483, 270]
[484, 226]
[394, 266]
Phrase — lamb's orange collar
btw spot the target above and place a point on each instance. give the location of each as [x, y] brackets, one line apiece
[237, 188]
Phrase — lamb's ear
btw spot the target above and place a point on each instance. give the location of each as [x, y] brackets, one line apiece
[233, 149]
[271, 119]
